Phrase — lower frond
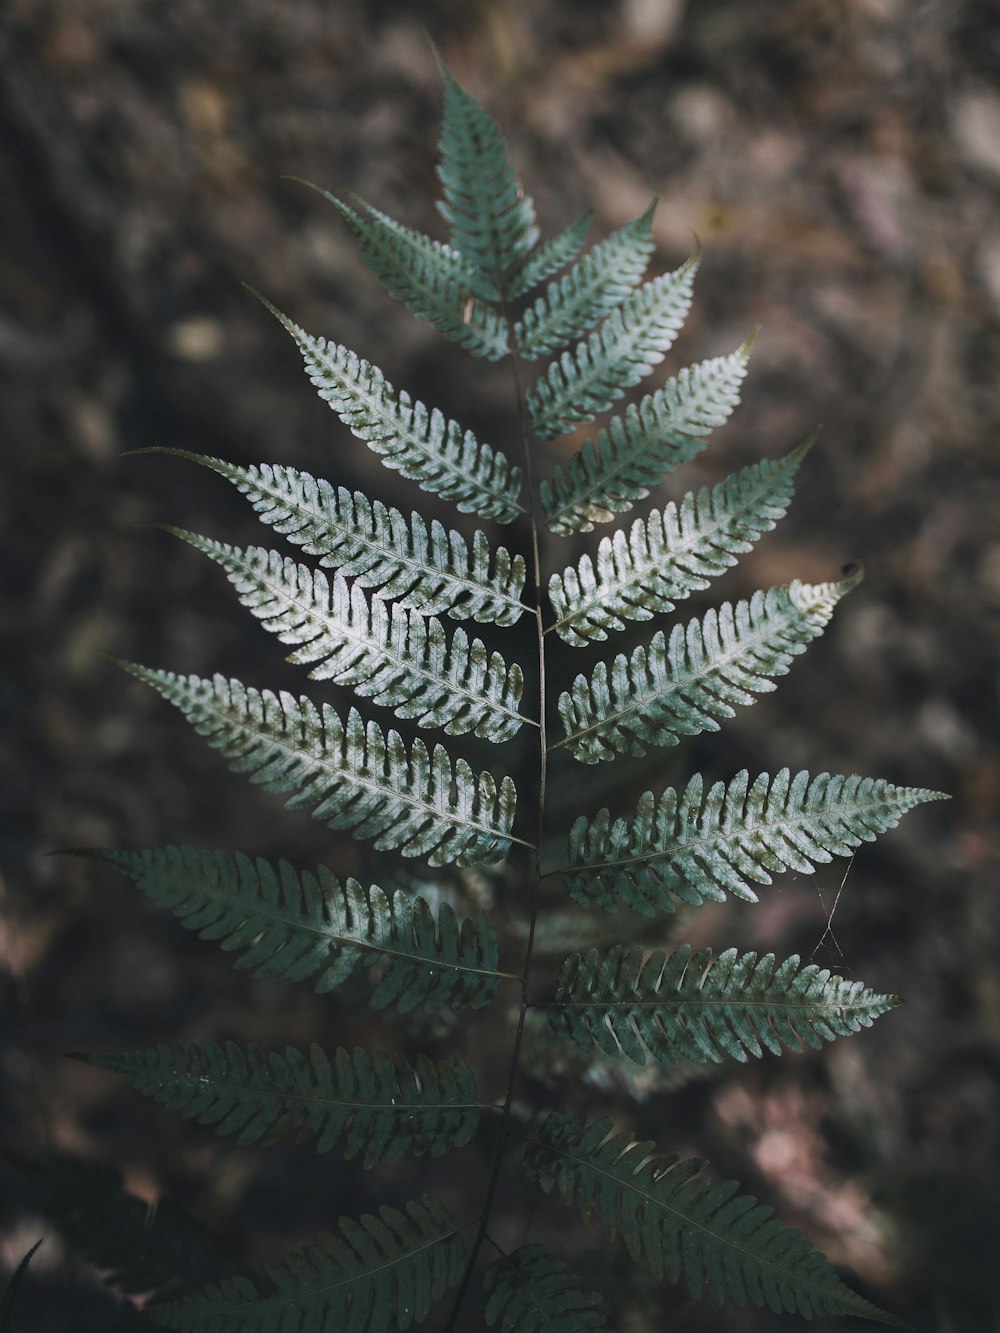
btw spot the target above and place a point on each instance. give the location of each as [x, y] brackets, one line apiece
[378, 1273]
[303, 926]
[351, 777]
[679, 687]
[684, 1007]
[531, 1291]
[677, 1223]
[394, 656]
[377, 1103]
[686, 847]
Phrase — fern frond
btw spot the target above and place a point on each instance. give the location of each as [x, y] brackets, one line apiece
[638, 450]
[432, 280]
[632, 340]
[531, 1291]
[682, 1007]
[677, 1223]
[428, 568]
[671, 554]
[308, 926]
[692, 846]
[492, 220]
[391, 655]
[423, 445]
[376, 1103]
[549, 257]
[679, 687]
[380, 1272]
[590, 290]
[351, 777]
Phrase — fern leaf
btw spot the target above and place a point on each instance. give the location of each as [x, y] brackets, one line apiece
[632, 340]
[376, 1103]
[679, 687]
[391, 655]
[308, 926]
[351, 777]
[379, 1272]
[549, 257]
[433, 281]
[692, 846]
[684, 1007]
[592, 289]
[492, 221]
[8, 1296]
[427, 568]
[676, 1222]
[638, 450]
[533, 1292]
[672, 553]
[420, 444]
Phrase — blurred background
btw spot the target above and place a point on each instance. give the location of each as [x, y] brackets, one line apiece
[840, 163]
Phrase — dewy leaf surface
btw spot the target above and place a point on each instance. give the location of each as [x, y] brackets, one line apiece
[686, 847]
[681, 686]
[423, 565]
[304, 925]
[673, 553]
[349, 776]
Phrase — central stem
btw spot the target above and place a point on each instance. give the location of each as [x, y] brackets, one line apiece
[536, 853]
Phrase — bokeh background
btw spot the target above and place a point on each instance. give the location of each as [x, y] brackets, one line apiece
[840, 163]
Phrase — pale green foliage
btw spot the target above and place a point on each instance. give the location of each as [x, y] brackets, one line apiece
[632, 340]
[671, 554]
[379, 1273]
[692, 846]
[431, 280]
[691, 1007]
[676, 1223]
[680, 686]
[423, 445]
[306, 926]
[636, 451]
[531, 1291]
[391, 655]
[590, 290]
[620, 1020]
[425, 567]
[376, 1103]
[350, 776]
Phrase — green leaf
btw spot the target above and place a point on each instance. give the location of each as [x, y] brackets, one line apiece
[594, 287]
[308, 926]
[378, 1273]
[9, 1294]
[433, 281]
[640, 449]
[671, 554]
[376, 1103]
[679, 687]
[677, 1223]
[492, 221]
[549, 257]
[389, 654]
[692, 846]
[351, 777]
[531, 1291]
[684, 1007]
[420, 444]
[623, 351]
[426, 567]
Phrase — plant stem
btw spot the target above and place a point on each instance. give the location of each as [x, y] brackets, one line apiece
[536, 875]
